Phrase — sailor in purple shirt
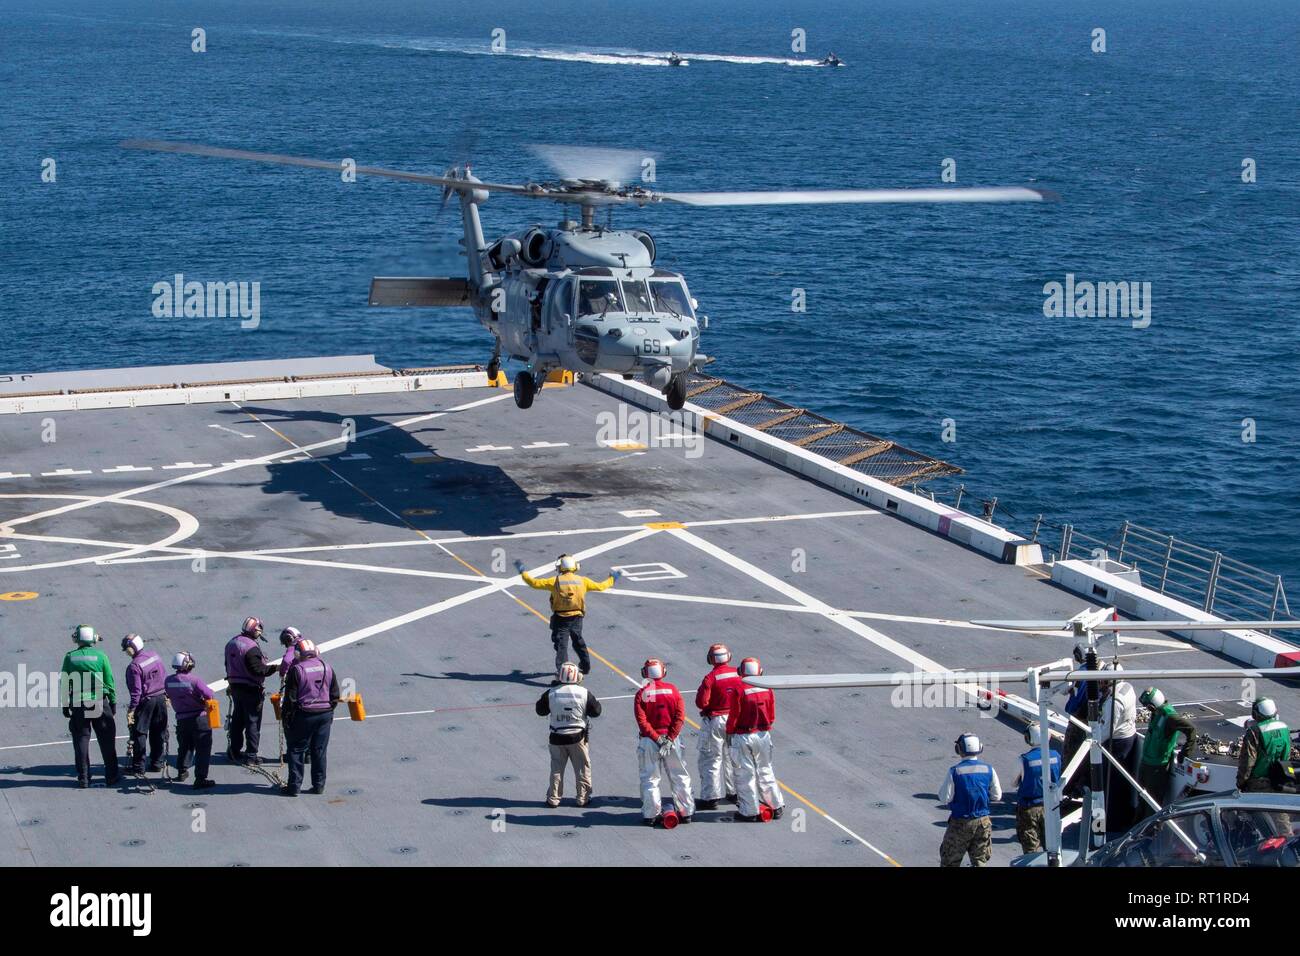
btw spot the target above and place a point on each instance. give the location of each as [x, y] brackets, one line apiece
[247, 670]
[146, 715]
[311, 692]
[189, 697]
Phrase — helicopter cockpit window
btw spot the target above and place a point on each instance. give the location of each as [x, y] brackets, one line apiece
[670, 297]
[594, 297]
[634, 293]
[1177, 841]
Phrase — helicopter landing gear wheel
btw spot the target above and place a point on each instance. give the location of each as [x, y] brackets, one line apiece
[525, 389]
[493, 369]
[676, 393]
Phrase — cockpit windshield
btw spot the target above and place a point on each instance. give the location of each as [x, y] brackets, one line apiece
[635, 295]
[598, 296]
[670, 297]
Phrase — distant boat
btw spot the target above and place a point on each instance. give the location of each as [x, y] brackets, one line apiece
[830, 59]
[675, 60]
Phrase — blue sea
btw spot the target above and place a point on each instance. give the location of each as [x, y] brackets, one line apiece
[914, 315]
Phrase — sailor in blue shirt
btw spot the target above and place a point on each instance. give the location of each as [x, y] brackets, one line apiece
[1030, 828]
[969, 788]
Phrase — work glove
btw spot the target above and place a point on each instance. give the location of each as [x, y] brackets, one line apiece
[616, 576]
[664, 740]
[519, 566]
[130, 718]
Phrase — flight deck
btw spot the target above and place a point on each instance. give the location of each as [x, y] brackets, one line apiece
[384, 526]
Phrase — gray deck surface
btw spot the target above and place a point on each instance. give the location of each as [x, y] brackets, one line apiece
[404, 561]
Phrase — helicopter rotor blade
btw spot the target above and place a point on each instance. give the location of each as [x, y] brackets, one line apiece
[614, 167]
[220, 152]
[1065, 626]
[997, 678]
[793, 197]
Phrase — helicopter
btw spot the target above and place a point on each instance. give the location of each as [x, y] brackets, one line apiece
[581, 296]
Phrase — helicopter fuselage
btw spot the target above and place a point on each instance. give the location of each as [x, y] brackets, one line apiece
[589, 299]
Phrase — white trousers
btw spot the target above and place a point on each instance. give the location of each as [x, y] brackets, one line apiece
[717, 774]
[654, 768]
[755, 781]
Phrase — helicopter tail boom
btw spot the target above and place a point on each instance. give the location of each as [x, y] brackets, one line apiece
[425, 291]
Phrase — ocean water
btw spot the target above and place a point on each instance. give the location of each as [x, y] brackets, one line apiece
[914, 315]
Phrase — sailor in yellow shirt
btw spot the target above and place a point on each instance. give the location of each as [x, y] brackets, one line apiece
[568, 607]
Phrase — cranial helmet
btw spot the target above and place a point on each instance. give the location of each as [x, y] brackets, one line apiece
[1034, 735]
[1264, 709]
[750, 667]
[718, 654]
[654, 669]
[290, 636]
[567, 563]
[569, 673]
[84, 635]
[1153, 697]
[306, 648]
[252, 628]
[183, 662]
[133, 642]
[968, 745]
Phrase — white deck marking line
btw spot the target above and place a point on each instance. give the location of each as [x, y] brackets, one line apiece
[184, 554]
[13, 474]
[185, 464]
[230, 466]
[446, 710]
[121, 468]
[186, 525]
[284, 559]
[64, 472]
[490, 448]
[521, 535]
[642, 513]
[545, 444]
[806, 609]
[398, 713]
[231, 430]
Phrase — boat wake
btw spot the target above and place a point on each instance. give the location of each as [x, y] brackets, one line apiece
[602, 56]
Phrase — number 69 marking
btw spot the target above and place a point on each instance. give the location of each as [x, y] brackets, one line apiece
[651, 346]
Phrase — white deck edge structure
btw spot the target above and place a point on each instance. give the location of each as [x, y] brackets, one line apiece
[248, 391]
[976, 533]
[1249, 648]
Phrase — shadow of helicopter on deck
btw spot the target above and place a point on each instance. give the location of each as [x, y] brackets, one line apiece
[403, 483]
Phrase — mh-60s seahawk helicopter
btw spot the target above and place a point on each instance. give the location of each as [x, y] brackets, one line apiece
[580, 296]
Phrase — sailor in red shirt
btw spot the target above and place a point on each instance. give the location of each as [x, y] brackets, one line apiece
[660, 714]
[714, 699]
[748, 727]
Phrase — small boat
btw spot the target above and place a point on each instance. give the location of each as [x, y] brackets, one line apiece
[675, 60]
[830, 59]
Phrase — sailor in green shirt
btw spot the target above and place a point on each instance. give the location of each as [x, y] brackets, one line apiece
[1267, 742]
[89, 699]
[1160, 749]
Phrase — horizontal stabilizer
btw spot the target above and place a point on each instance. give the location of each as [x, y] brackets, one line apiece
[418, 291]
